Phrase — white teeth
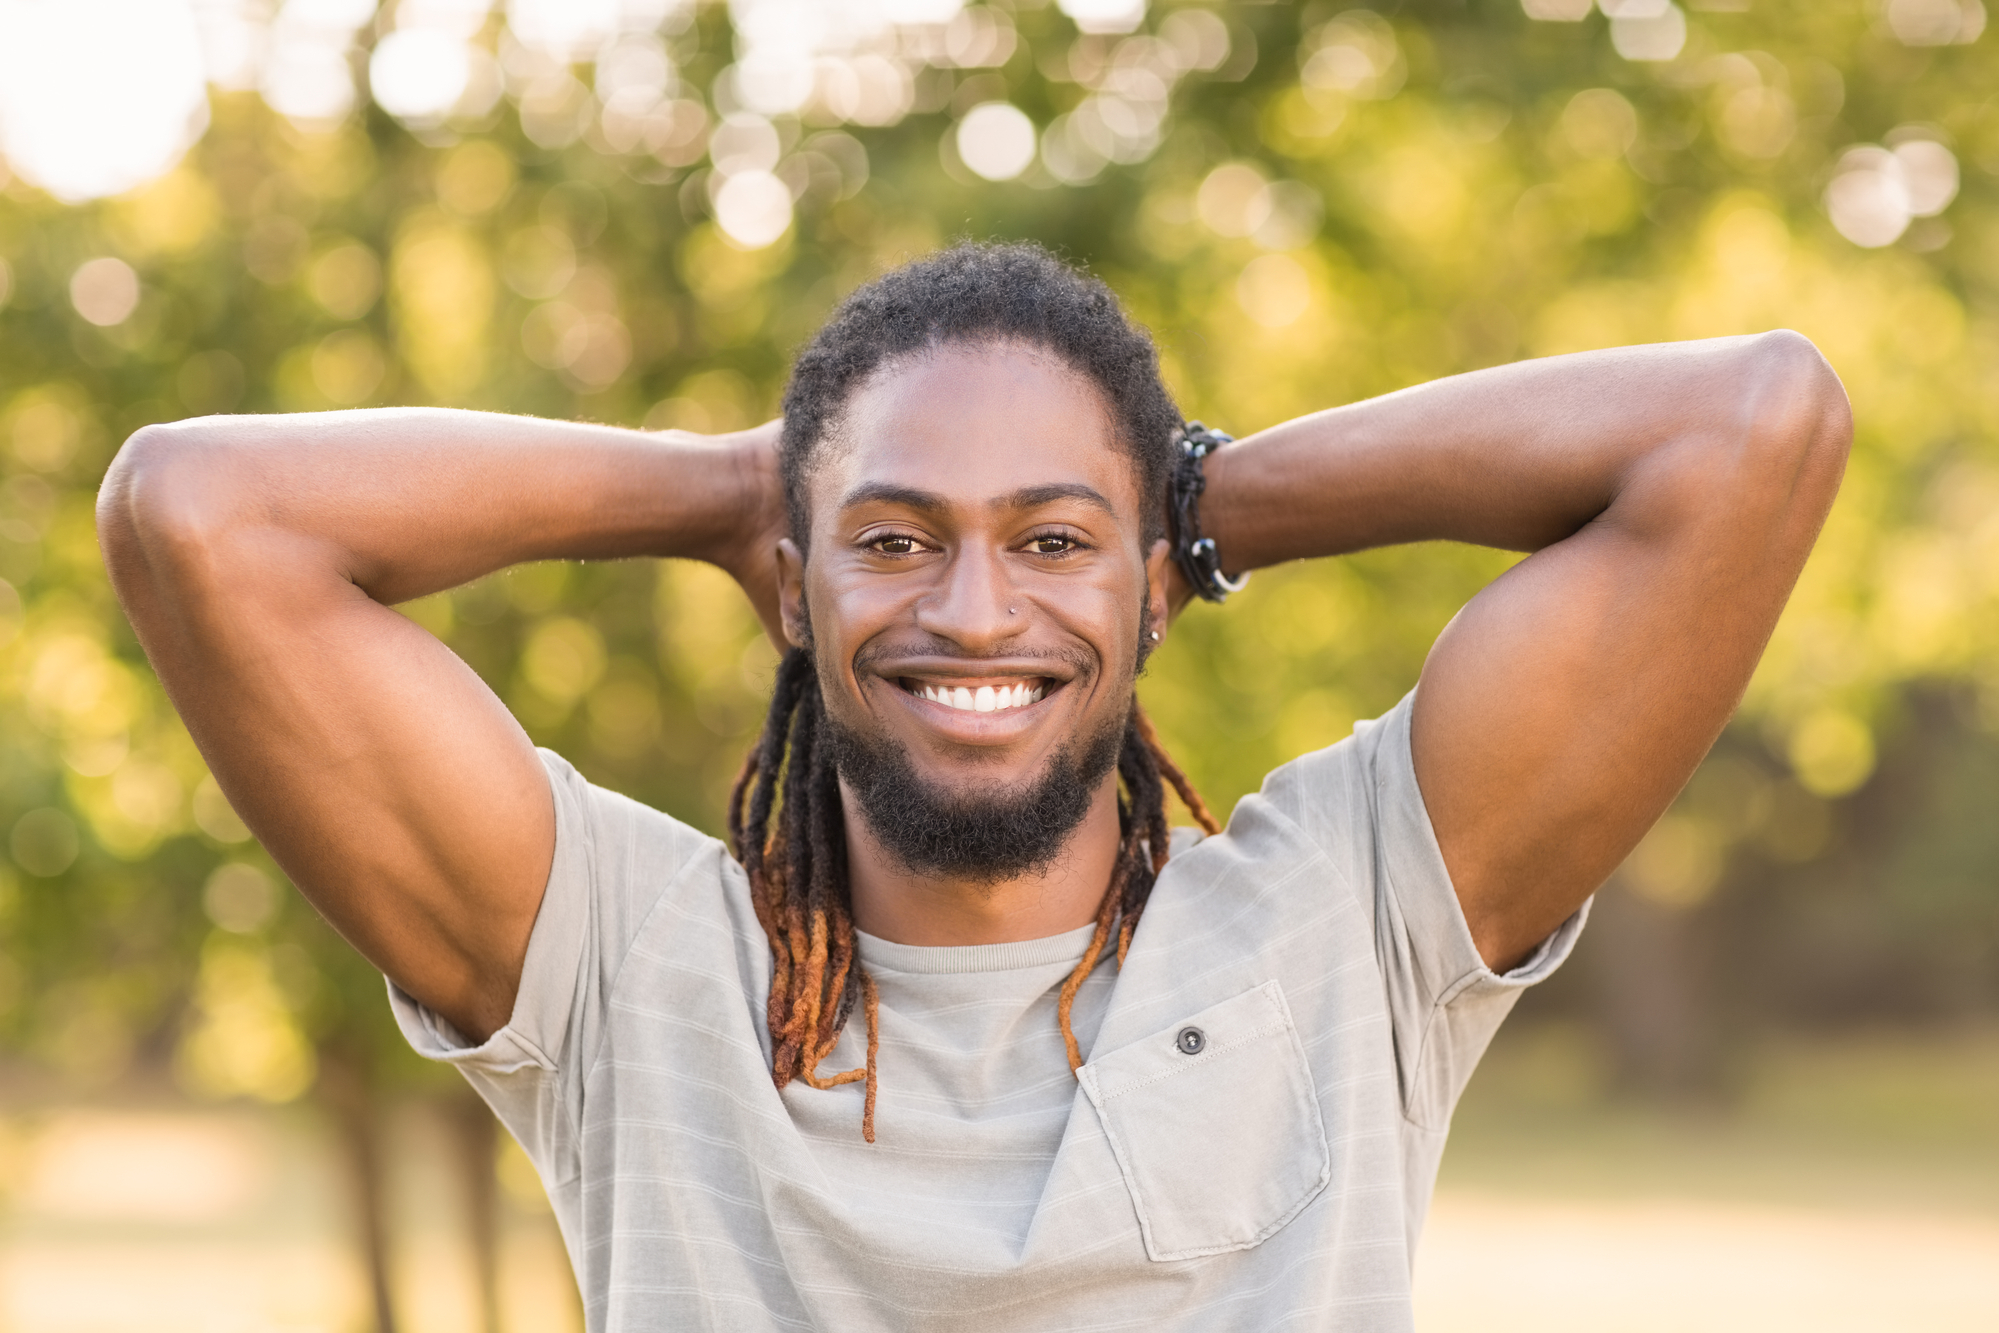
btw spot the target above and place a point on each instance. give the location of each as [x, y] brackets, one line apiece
[986, 699]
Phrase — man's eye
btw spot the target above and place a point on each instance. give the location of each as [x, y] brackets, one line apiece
[896, 545]
[1053, 545]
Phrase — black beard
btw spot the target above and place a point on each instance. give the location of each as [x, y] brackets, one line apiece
[987, 836]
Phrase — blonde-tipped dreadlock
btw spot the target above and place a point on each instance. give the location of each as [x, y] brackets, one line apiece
[798, 879]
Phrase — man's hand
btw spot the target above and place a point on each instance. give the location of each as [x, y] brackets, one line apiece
[1670, 495]
[750, 552]
[258, 558]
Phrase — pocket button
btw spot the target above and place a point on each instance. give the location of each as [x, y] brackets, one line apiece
[1215, 1125]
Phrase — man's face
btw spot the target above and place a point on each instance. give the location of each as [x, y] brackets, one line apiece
[977, 580]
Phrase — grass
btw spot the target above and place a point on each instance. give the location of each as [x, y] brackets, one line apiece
[1877, 1120]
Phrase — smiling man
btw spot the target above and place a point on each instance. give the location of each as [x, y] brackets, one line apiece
[961, 1037]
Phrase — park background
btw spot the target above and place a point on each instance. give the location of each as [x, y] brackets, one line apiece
[1766, 1091]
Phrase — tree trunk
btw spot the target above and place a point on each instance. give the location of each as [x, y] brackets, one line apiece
[477, 1136]
[347, 1092]
[1647, 972]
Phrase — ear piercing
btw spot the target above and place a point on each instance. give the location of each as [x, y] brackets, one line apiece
[1155, 636]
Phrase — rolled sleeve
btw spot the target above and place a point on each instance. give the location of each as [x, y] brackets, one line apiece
[1445, 1002]
[614, 861]
[541, 1025]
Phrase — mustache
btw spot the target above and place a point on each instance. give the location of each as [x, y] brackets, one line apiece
[1083, 665]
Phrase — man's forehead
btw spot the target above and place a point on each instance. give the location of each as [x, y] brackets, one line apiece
[978, 426]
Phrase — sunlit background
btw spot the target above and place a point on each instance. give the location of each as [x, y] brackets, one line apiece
[1766, 1092]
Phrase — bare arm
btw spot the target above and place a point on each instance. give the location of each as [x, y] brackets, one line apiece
[1670, 495]
[258, 557]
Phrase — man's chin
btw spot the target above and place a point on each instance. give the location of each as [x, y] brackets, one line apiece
[980, 777]
[969, 822]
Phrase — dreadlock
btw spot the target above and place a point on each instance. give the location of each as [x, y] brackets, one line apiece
[798, 878]
[969, 294]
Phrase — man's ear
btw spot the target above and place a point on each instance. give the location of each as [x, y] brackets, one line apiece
[1159, 573]
[791, 594]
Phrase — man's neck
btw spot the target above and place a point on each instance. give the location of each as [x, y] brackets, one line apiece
[894, 903]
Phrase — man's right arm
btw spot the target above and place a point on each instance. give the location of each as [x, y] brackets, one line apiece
[258, 558]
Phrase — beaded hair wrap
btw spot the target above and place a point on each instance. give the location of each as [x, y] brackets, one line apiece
[1196, 555]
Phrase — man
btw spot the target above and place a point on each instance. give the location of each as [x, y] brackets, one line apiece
[955, 1044]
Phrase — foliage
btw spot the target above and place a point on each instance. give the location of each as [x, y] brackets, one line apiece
[1340, 203]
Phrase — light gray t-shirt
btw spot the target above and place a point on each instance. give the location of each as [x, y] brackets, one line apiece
[1274, 1177]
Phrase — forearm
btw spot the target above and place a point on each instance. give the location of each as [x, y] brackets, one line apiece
[1517, 457]
[255, 556]
[1669, 496]
[405, 502]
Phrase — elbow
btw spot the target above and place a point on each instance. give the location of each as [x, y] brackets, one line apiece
[165, 496]
[1797, 418]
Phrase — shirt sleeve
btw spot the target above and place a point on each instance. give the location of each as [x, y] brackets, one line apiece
[614, 860]
[1360, 801]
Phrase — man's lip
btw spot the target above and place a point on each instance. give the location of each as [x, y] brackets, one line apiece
[913, 680]
[972, 673]
[1016, 694]
[995, 725]
[1041, 678]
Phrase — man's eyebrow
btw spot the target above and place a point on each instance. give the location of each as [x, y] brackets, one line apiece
[1033, 497]
[1027, 497]
[884, 492]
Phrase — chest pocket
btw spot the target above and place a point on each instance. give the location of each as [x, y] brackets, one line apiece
[1216, 1126]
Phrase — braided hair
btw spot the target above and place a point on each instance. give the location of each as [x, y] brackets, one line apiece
[785, 819]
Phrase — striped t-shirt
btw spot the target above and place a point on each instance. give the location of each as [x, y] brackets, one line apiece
[1251, 1144]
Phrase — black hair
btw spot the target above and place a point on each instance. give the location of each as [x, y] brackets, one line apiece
[785, 817]
[978, 292]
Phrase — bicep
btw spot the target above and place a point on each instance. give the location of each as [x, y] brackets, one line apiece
[382, 774]
[1563, 709]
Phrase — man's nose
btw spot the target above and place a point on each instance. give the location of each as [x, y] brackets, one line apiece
[974, 603]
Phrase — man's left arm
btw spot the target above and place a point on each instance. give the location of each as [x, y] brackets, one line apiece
[1669, 495]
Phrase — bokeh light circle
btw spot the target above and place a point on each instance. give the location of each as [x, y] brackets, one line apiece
[753, 208]
[104, 291]
[1868, 201]
[99, 96]
[997, 140]
[1644, 30]
[1929, 170]
[1234, 199]
[569, 30]
[309, 81]
[1104, 16]
[743, 143]
[419, 73]
[1274, 291]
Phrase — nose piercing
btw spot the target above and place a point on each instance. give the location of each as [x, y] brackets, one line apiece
[1013, 611]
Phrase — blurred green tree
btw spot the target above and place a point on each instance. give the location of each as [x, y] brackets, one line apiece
[637, 222]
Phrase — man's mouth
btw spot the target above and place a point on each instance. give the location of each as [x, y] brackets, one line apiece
[978, 698]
